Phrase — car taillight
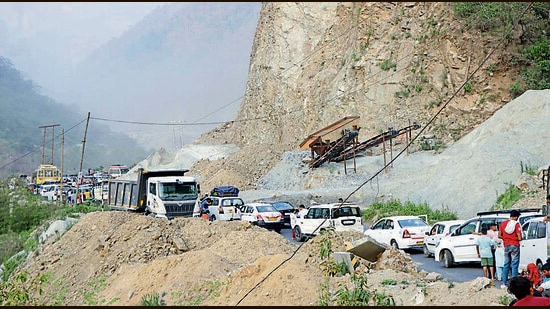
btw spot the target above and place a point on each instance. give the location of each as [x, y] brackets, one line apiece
[259, 217]
[282, 216]
[406, 234]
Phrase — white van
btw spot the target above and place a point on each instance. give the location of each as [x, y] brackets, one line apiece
[535, 246]
[346, 217]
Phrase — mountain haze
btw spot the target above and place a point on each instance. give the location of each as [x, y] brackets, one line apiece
[180, 64]
[25, 110]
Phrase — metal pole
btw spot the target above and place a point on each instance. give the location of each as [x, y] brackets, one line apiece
[53, 142]
[43, 145]
[82, 158]
[62, 147]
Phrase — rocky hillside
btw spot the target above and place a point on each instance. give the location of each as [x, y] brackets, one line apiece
[314, 63]
[389, 63]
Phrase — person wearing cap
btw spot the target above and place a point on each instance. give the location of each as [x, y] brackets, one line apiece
[510, 233]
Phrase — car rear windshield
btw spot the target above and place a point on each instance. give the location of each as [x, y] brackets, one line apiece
[282, 206]
[347, 212]
[266, 209]
[411, 222]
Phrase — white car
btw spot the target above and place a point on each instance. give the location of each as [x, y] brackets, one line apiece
[437, 231]
[225, 208]
[534, 248]
[460, 245]
[264, 215]
[400, 232]
[341, 217]
[50, 192]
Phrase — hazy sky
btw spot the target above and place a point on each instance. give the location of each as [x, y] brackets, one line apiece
[46, 40]
[63, 30]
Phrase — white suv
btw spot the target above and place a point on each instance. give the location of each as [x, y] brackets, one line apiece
[223, 208]
[460, 246]
[341, 217]
[534, 246]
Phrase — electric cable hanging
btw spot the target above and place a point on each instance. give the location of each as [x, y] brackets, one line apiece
[36, 149]
[468, 78]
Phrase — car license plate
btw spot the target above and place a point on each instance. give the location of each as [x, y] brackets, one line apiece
[230, 211]
[272, 218]
[419, 242]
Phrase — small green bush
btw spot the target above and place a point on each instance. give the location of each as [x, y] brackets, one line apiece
[394, 207]
[153, 299]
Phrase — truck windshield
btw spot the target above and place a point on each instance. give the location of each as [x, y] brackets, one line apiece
[173, 191]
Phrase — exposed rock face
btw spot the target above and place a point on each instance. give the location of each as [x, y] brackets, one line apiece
[389, 63]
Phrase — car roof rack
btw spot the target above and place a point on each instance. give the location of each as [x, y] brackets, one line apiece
[504, 211]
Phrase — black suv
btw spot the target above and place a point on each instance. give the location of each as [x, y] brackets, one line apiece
[286, 208]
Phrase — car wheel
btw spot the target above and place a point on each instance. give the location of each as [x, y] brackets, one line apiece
[448, 259]
[394, 244]
[277, 229]
[426, 252]
[213, 218]
[298, 234]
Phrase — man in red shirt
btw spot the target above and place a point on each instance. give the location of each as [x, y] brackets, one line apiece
[523, 290]
[510, 233]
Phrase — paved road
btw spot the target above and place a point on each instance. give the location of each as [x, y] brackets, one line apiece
[459, 273]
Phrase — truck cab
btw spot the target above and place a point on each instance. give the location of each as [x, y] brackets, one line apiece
[171, 196]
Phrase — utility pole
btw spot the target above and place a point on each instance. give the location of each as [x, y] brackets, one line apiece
[82, 158]
[62, 147]
[44, 142]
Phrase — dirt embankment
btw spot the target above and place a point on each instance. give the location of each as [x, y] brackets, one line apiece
[117, 258]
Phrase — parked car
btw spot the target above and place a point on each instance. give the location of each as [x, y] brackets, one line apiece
[400, 232]
[534, 246]
[264, 215]
[437, 231]
[341, 217]
[286, 208]
[50, 192]
[225, 208]
[460, 245]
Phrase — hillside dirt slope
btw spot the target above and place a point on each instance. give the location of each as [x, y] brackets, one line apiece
[117, 258]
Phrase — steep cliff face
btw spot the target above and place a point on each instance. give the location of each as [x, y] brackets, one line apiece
[389, 63]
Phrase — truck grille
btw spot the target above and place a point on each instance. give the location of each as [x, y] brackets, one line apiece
[174, 210]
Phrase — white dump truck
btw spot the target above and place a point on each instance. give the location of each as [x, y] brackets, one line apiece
[163, 193]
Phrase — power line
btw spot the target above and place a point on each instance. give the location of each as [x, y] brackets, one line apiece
[399, 154]
[36, 149]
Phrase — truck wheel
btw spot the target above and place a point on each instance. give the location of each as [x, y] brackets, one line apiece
[448, 259]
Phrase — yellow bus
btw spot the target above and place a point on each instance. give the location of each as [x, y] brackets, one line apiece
[47, 172]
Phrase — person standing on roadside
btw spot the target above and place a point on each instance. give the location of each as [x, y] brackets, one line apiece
[483, 248]
[205, 212]
[510, 233]
[492, 233]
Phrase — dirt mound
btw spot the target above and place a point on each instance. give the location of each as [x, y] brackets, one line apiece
[118, 258]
